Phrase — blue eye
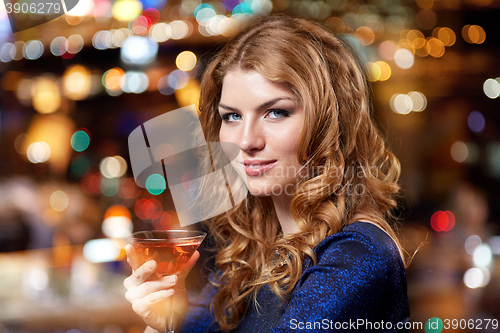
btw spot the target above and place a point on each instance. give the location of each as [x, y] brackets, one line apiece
[229, 117]
[278, 113]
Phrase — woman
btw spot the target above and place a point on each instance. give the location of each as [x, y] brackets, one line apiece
[310, 247]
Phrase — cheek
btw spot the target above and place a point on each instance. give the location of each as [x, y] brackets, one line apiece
[226, 135]
[295, 139]
[222, 135]
[288, 142]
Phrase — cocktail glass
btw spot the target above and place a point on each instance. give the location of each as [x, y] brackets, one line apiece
[171, 249]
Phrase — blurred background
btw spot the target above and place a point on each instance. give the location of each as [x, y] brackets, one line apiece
[75, 87]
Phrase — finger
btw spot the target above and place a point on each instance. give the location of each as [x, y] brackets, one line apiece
[150, 287]
[187, 268]
[132, 257]
[145, 306]
[140, 275]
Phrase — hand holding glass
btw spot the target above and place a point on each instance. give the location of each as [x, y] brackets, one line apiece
[171, 250]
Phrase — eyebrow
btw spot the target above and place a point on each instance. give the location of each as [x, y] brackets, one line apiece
[262, 106]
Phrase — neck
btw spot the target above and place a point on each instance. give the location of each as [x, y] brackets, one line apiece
[282, 207]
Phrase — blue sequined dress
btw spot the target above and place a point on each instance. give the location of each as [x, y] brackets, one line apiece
[358, 285]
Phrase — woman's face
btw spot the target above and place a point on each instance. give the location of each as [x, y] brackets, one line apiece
[264, 120]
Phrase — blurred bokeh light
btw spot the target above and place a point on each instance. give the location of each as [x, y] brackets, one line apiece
[75, 87]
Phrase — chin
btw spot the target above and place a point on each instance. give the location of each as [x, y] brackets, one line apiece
[260, 195]
[266, 190]
[258, 192]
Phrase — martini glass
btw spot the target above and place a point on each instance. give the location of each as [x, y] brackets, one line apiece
[171, 249]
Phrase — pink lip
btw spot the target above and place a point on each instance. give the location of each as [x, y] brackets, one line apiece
[258, 166]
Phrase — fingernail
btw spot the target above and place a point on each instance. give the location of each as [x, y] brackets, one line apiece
[169, 292]
[172, 279]
[150, 265]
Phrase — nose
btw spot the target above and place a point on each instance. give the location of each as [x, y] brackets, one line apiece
[252, 137]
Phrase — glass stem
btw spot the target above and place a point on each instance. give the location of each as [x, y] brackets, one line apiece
[169, 315]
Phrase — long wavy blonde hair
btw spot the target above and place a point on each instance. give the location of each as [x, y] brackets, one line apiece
[338, 135]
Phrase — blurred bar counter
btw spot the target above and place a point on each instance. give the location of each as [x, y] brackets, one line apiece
[39, 292]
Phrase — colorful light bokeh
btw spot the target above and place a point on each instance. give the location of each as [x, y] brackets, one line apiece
[156, 184]
[111, 79]
[473, 34]
[459, 151]
[113, 166]
[147, 209]
[109, 186]
[80, 140]
[117, 222]
[80, 165]
[46, 95]
[156, 4]
[77, 82]
[101, 250]
[491, 88]
[477, 277]
[91, 183]
[406, 103]
[38, 152]
[59, 200]
[139, 50]
[442, 221]
[167, 220]
[476, 121]
[186, 61]
[128, 189]
[125, 10]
